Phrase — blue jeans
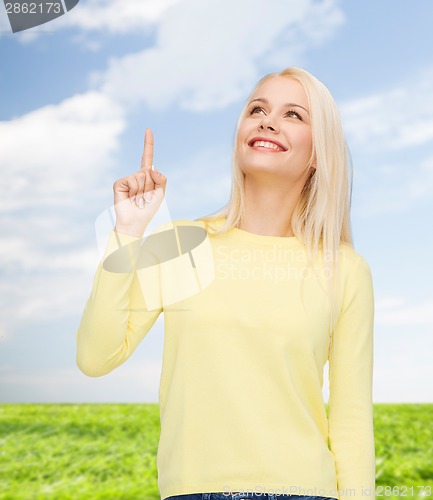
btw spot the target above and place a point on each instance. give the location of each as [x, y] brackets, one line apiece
[242, 496]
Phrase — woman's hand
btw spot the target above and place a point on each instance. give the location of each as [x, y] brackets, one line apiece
[138, 197]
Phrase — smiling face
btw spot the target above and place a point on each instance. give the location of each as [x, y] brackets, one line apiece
[274, 134]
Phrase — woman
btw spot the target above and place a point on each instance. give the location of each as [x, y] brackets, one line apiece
[280, 290]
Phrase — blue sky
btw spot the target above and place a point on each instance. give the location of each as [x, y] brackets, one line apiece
[75, 97]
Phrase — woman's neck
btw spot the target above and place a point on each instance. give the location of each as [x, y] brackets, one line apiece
[269, 209]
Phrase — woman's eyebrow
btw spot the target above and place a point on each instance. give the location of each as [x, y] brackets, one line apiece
[289, 104]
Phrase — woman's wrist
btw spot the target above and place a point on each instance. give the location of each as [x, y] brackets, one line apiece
[129, 231]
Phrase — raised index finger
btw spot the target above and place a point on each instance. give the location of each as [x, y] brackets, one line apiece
[147, 158]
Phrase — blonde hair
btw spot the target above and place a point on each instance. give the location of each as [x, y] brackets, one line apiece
[321, 219]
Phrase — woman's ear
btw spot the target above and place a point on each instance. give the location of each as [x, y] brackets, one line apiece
[312, 165]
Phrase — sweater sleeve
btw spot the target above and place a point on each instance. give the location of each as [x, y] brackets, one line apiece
[116, 317]
[350, 405]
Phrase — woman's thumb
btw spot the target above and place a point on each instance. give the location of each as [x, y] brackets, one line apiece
[157, 177]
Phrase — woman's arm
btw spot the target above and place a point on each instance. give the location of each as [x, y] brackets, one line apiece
[116, 317]
[350, 406]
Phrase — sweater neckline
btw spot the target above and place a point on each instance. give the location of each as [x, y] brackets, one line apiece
[248, 236]
[261, 238]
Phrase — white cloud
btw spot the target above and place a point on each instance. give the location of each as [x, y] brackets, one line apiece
[4, 335]
[4, 22]
[394, 119]
[421, 184]
[43, 296]
[36, 255]
[106, 16]
[393, 187]
[207, 54]
[403, 378]
[395, 311]
[403, 345]
[137, 381]
[402, 362]
[116, 16]
[384, 303]
[50, 154]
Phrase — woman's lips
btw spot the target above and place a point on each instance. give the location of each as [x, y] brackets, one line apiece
[266, 145]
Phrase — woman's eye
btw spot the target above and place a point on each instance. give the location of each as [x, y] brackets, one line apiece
[294, 114]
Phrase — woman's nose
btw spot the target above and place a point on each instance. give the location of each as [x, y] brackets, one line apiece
[268, 123]
[261, 127]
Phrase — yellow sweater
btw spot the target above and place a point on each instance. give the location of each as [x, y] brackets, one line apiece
[246, 339]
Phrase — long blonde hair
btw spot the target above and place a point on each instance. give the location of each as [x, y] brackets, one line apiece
[321, 219]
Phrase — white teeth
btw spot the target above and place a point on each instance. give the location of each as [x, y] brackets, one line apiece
[264, 144]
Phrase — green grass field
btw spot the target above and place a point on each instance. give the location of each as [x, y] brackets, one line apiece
[108, 451]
